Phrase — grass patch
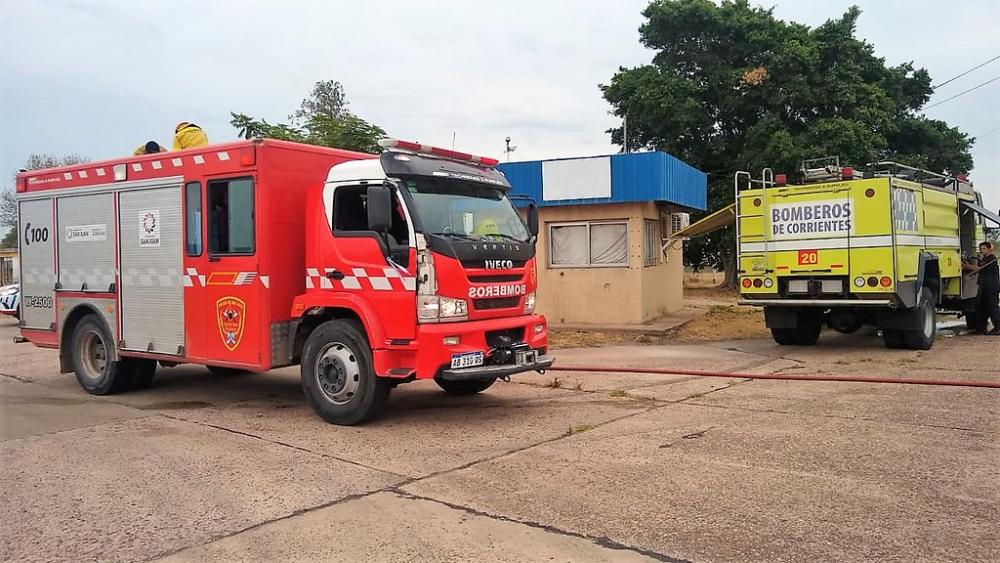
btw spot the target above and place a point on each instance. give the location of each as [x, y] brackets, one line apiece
[579, 428]
[619, 393]
[725, 322]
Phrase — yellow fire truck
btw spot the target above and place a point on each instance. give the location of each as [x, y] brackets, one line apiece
[846, 248]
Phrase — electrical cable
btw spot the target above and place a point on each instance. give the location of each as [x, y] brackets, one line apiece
[976, 87]
[957, 76]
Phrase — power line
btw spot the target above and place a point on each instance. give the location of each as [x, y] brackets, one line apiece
[957, 76]
[976, 87]
[988, 133]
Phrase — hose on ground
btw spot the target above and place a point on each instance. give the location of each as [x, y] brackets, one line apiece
[782, 377]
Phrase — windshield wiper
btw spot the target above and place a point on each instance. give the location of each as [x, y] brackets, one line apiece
[504, 236]
[459, 236]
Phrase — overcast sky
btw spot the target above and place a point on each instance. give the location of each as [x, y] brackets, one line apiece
[99, 78]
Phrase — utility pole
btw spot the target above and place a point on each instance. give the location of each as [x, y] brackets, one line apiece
[625, 132]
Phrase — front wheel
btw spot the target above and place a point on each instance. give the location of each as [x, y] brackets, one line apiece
[337, 375]
[465, 387]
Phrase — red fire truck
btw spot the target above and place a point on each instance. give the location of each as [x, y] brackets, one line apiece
[367, 271]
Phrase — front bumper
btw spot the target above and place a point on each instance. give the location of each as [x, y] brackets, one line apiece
[428, 356]
[483, 372]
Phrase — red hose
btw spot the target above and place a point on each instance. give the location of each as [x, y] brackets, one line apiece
[810, 377]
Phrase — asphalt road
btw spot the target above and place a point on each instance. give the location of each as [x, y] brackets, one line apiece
[556, 467]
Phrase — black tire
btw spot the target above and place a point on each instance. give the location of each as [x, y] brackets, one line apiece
[783, 336]
[337, 375]
[921, 337]
[802, 336]
[220, 371]
[142, 372]
[893, 338]
[91, 350]
[467, 387]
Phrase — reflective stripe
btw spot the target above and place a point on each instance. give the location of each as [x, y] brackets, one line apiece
[874, 241]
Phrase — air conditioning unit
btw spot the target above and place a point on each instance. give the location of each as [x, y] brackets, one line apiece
[679, 221]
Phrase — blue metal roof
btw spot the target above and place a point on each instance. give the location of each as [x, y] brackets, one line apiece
[646, 176]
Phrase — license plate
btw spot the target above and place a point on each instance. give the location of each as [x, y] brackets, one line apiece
[466, 360]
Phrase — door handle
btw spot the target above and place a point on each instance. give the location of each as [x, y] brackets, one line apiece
[335, 275]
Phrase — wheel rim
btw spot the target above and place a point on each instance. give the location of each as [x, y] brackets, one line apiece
[93, 355]
[338, 373]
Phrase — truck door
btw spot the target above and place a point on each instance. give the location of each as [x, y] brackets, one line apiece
[152, 295]
[226, 309]
[361, 262]
[37, 238]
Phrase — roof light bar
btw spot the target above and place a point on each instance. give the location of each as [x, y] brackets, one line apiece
[437, 151]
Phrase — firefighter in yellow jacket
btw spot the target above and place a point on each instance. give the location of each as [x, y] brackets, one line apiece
[188, 136]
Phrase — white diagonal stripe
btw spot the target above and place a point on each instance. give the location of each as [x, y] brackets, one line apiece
[381, 284]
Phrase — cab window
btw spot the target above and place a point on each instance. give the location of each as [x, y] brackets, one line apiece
[231, 216]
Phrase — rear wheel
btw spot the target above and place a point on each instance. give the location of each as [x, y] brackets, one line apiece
[91, 352]
[921, 337]
[337, 375]
[465, 387]
[893, 338]
[806, 335]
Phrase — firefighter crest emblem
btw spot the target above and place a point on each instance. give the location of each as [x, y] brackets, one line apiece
[231, 314]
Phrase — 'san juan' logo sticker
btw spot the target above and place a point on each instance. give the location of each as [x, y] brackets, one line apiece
[231, 314]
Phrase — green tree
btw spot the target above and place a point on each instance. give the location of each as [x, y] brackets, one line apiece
[8, 205]
[731, 87]
[322, 119]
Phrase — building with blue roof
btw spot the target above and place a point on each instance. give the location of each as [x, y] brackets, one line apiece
[603, 256]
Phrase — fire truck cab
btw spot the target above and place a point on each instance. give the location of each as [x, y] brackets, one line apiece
[367, 271]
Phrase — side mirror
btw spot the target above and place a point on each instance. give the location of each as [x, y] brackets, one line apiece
[379, 208]
[533, 220]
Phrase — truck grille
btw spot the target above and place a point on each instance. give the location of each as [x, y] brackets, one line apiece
[494, 337]
[481, 264]
[495, 303]
[495, 278]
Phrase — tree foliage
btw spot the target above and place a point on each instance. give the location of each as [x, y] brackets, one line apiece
[732, 87]
[322, 119]
[8, 205]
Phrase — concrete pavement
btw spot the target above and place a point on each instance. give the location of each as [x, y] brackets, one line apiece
[554, 467]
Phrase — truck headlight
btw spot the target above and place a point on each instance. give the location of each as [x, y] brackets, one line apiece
[434, 308]
[529, 303]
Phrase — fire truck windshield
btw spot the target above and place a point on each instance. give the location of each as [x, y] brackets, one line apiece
[464, 209]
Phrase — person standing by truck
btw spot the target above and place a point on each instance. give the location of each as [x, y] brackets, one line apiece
[988, 305]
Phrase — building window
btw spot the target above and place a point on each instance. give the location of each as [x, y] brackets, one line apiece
[650, 243]
[588, 244]
[231, 216]
[192, 219]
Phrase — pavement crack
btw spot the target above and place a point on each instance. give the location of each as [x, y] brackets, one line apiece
[842, 417]
[16, 378]
[602, 541]
[285, 444]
